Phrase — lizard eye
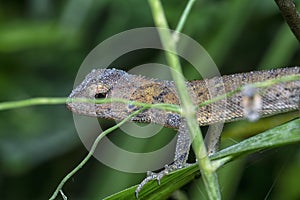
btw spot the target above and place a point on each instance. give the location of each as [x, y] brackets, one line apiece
[100, 95]
[101, 91]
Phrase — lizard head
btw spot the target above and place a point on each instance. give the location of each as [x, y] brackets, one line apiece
[117, 84]
[97, 84]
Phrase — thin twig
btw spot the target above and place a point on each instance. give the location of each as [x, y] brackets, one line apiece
[62, 100]
[8, 105]
[184, 15]
[91, 152]
[291, 15]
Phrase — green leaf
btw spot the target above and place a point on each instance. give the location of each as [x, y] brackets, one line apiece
[168, 185]
[282, 135]
[278, 136]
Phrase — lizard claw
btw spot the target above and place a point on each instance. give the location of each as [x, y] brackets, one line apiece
[157, 176]
[150, 177]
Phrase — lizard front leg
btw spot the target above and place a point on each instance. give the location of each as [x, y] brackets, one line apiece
[180, 158]
[182, 149]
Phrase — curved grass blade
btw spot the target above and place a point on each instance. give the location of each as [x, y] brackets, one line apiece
[282, 135]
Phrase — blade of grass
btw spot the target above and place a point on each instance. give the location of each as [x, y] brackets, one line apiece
[278, 136]
[282, 135]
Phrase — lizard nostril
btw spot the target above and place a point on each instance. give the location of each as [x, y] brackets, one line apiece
[100, 95]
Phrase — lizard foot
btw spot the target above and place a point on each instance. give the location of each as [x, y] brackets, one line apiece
[158, 176]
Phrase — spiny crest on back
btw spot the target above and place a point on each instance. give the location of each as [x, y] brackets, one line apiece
[105, 76]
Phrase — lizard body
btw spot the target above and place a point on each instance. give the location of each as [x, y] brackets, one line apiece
[113, 83]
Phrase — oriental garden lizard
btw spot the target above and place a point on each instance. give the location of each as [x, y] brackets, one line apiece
[113, 83]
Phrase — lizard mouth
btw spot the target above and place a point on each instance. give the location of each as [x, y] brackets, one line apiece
[70, 106]
[81, 108]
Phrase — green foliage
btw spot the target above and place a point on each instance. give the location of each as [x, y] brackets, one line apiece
[278, 136]
[42, 45]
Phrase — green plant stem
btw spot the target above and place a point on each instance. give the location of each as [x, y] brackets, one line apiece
[263, 84]
[91, 152]
[169, 107]
[31, 102]
[62, 100]
[184, 15]
[188, 109]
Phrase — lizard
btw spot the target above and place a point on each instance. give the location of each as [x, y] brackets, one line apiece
[114, 83]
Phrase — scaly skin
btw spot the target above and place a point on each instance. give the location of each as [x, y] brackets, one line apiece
[113, 83]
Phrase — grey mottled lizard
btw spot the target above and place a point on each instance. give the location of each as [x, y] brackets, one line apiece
[113, 83]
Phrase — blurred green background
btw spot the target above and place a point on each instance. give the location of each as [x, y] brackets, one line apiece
[42, 45]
